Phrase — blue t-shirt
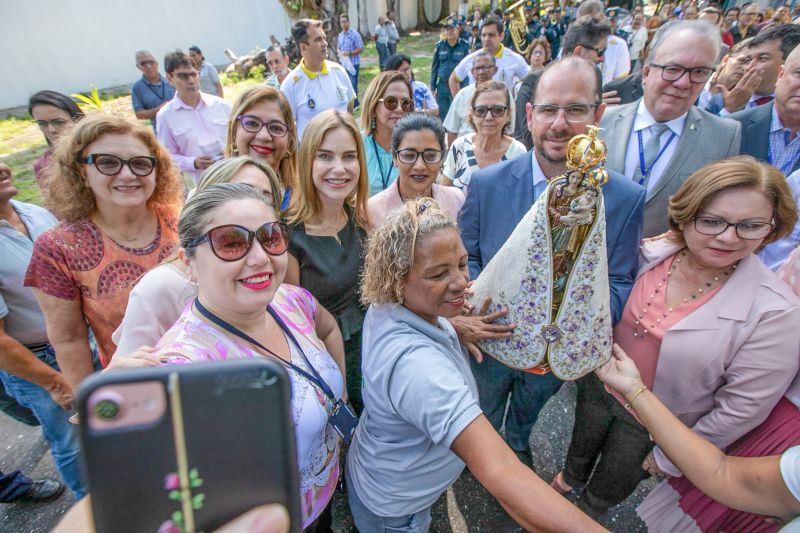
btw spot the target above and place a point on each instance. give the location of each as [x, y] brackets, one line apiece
[146, 95]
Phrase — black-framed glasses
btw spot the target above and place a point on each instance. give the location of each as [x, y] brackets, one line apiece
[147, 63]
[482, 68]
[55, 123]
[231, 242]
[599, 51]
[111, 165]
[253, 124]
[751, 231]
[391, 103]
[676, 72]
[186, 76]
[497, 111]
[573, 112]
[409, 156]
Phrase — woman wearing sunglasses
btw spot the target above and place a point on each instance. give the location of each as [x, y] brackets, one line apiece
[714, 334]
[328, 222]
[262, 126]
[386, 100]
[421, 93]
[490, 117]
[235, 249]
[118, 194]
[418, 149]
[158, 298]
[422, 421]
[54, 113]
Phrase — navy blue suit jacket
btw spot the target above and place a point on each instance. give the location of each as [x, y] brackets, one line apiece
[500, 195]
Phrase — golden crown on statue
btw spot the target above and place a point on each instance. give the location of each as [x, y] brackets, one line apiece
[586, 154]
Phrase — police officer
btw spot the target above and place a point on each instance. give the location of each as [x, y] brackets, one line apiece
[448, 53]
[463, 29]
[532, 20]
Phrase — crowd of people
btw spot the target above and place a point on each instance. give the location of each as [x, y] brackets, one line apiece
[349, 248]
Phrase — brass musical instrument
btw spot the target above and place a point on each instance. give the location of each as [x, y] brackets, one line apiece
[518, 27]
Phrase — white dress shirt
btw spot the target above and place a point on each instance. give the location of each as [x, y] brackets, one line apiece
[642, 122]
[190, 132]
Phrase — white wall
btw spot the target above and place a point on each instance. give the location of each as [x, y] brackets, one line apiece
[70, 45]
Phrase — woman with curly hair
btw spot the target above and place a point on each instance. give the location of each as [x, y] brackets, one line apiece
[421, 420]
[117, 193]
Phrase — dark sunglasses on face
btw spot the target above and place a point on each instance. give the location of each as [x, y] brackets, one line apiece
[186, 76]
[111, 165]
[232, 242]
[253, 124]
[390, 103]
[599, 51]
[497, 111]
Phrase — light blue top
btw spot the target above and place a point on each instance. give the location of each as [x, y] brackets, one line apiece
[380, 167]
[26, 322]
[419, 395]
[790, 472]
[775, 254]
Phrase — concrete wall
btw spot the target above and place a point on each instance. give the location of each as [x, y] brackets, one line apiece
[70, 45]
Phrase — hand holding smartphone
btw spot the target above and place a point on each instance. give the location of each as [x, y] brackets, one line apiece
[188, 448]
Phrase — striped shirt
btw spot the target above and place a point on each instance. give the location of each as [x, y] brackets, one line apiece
[783, 150]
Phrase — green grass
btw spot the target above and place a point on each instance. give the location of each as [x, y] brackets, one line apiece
[21, 141]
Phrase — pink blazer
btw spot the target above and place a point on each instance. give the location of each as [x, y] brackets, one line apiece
[723, 368]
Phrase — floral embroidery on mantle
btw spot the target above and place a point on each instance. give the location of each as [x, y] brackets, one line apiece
[575, 341]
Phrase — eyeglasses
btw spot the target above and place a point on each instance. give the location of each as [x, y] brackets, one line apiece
[232, 242]
[497, 111]
[676, 72]
[745, 230]
[573, 112]
[482, 68]
[253, 124]
[599, 51]
[390, 103]
[147, 63]
[55, 123]
[186, 76]
[409, 156]
[111, 165]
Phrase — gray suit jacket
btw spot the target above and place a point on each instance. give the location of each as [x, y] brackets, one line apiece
[705, 138]
[755, 132]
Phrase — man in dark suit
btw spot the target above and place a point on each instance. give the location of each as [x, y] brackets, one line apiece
[564, 102]
[627, 89]
[769, 132]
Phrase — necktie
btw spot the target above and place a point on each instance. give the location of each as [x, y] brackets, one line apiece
[651, 150]
[761, 100]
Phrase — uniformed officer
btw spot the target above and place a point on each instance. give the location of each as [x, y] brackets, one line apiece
[448, 53]
[532, 21]
[463, 29]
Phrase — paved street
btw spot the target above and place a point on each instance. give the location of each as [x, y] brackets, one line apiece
[466, 507]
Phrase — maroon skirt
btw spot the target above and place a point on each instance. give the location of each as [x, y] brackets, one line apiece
[779, 432]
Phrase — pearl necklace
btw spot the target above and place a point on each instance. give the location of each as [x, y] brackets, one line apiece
[639, 329]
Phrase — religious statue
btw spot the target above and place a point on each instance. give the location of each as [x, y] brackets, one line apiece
[557, 291]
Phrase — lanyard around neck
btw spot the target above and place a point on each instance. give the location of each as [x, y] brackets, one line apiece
[642, 167]
[315, 379]
[384, 177]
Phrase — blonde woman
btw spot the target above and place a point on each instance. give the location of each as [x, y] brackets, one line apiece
[328, 223]
[159, 297]
[262, 126]
[387, 99]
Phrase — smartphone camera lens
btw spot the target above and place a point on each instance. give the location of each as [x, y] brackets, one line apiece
[106, 409]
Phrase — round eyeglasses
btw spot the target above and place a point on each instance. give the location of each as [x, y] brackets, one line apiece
[111, 165]
[253, 124]
[231, 242]
[751, 231]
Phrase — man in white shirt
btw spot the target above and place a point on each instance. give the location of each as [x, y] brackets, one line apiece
[193, 125]
[684, 138]
[315, 84]
[510, 65]
[617, 61]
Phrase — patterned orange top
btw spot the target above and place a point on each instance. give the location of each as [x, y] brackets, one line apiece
[78, 260]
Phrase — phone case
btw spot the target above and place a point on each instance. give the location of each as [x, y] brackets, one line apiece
[224, 443]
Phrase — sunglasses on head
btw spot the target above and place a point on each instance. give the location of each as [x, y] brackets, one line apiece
[231, 242]
[390, 103]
